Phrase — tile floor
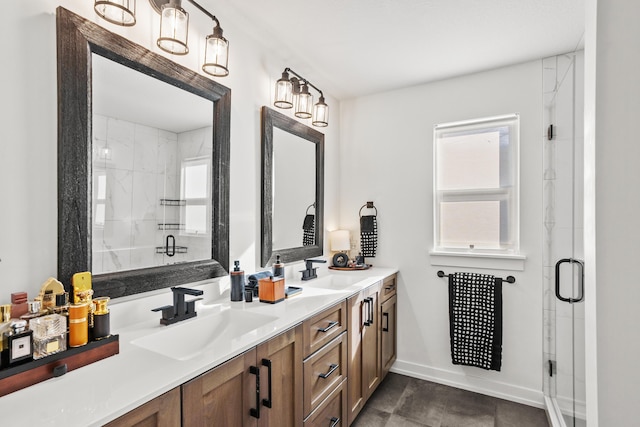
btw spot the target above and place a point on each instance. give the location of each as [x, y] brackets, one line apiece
[402, 401]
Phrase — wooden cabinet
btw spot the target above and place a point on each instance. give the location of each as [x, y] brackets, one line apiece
[323, 372]
[318, 373]
[388, 324]
[163, 411]
[258, 388]
[320, 329]
[281, 384]
[332, 412]
[363, 348]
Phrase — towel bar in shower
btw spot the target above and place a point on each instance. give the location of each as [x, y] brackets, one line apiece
[509, 279]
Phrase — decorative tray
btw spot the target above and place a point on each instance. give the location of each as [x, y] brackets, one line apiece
[18, 377]
[363, 267]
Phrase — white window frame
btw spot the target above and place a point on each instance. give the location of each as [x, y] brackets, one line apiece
[196, 201]
[507, 193]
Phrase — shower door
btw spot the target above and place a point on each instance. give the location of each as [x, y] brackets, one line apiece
[564, 351]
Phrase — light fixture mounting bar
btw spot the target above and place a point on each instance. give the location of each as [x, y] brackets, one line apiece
[289, 70]
[157, 6]
[205, 11]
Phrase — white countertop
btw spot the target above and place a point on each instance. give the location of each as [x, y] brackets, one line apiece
[100, 392]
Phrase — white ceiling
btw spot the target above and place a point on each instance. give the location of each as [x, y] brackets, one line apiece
[351, 48]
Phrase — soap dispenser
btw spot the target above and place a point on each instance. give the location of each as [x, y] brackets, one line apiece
[278, 267]
[237, 282]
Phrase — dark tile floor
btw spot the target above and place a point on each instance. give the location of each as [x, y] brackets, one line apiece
[402, 401]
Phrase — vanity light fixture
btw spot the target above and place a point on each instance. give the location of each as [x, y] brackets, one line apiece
[174, 30]
[294, 92]
[119, 12]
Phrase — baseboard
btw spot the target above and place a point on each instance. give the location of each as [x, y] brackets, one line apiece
[480, 385]
[566, 406]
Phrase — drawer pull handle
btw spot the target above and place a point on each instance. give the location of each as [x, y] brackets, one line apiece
[332, 367]
[386, 316]
[267, 363]
[331, 326]
[390, 287]
[255, 412]
[334, 421]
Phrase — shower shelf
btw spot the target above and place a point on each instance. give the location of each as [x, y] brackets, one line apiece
[178, 249]
[173, 202]
[170, 226]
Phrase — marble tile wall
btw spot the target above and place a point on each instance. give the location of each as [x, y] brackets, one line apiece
[135, 166]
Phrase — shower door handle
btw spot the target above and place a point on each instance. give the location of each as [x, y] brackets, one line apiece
[580, 284]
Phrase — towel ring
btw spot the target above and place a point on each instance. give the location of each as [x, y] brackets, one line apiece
[312, 205]
[368, 205]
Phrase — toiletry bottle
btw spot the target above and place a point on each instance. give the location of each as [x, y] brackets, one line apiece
[18, 304]
[34, 309]
[278, 267]
[237, 282]
[101, 321]
[78, 324]
[17, 344]
[49, 335]
[5, 320]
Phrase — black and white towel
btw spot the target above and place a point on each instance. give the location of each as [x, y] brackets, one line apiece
[368, 235]
[475, 320]
[309, 230]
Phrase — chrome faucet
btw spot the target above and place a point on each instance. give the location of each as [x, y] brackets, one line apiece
[181, 309]
[310, 271]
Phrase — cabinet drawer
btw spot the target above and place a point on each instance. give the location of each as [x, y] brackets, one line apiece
[324, 371]
[323, 327]
[389, 286]
[332, 412]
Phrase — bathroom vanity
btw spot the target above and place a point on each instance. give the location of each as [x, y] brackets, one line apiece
[305, 350]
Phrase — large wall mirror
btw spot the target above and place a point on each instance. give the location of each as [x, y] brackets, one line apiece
[292, 189]
[143, 165]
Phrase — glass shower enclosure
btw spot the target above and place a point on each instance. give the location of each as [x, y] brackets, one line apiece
[563, 255]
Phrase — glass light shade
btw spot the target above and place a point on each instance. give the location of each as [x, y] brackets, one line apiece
[320, 113]
[216, 54]
[284, 92]
[174, 29]
[304, 104]
[340, 240]
[119, 12]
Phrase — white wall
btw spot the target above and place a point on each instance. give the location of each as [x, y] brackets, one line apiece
[612, 228]
[386, 157]
[28, 141]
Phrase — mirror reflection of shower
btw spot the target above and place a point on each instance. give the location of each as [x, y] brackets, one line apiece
[151, 184]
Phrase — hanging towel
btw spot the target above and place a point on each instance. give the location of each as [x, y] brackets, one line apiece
[368, 235]
[475, 320]
[308, 230]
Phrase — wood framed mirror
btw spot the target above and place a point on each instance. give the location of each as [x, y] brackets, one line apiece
[78, 42]
[292, 189]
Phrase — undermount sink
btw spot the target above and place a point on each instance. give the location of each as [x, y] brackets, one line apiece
[211, 332]
[335, 281]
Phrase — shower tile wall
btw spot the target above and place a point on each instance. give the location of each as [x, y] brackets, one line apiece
[134, 167]
[563, 221]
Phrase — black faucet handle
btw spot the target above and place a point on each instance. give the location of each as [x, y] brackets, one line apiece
[309, 262]
[187, 291]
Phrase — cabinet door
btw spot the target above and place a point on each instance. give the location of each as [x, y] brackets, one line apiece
[224, 396]
[388, 334]
[363, 349]
[163, 411]
[355, 320]
[371, 342]
[280, 361]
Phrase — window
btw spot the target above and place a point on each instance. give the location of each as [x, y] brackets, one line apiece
[476, 205]
[195, 188]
